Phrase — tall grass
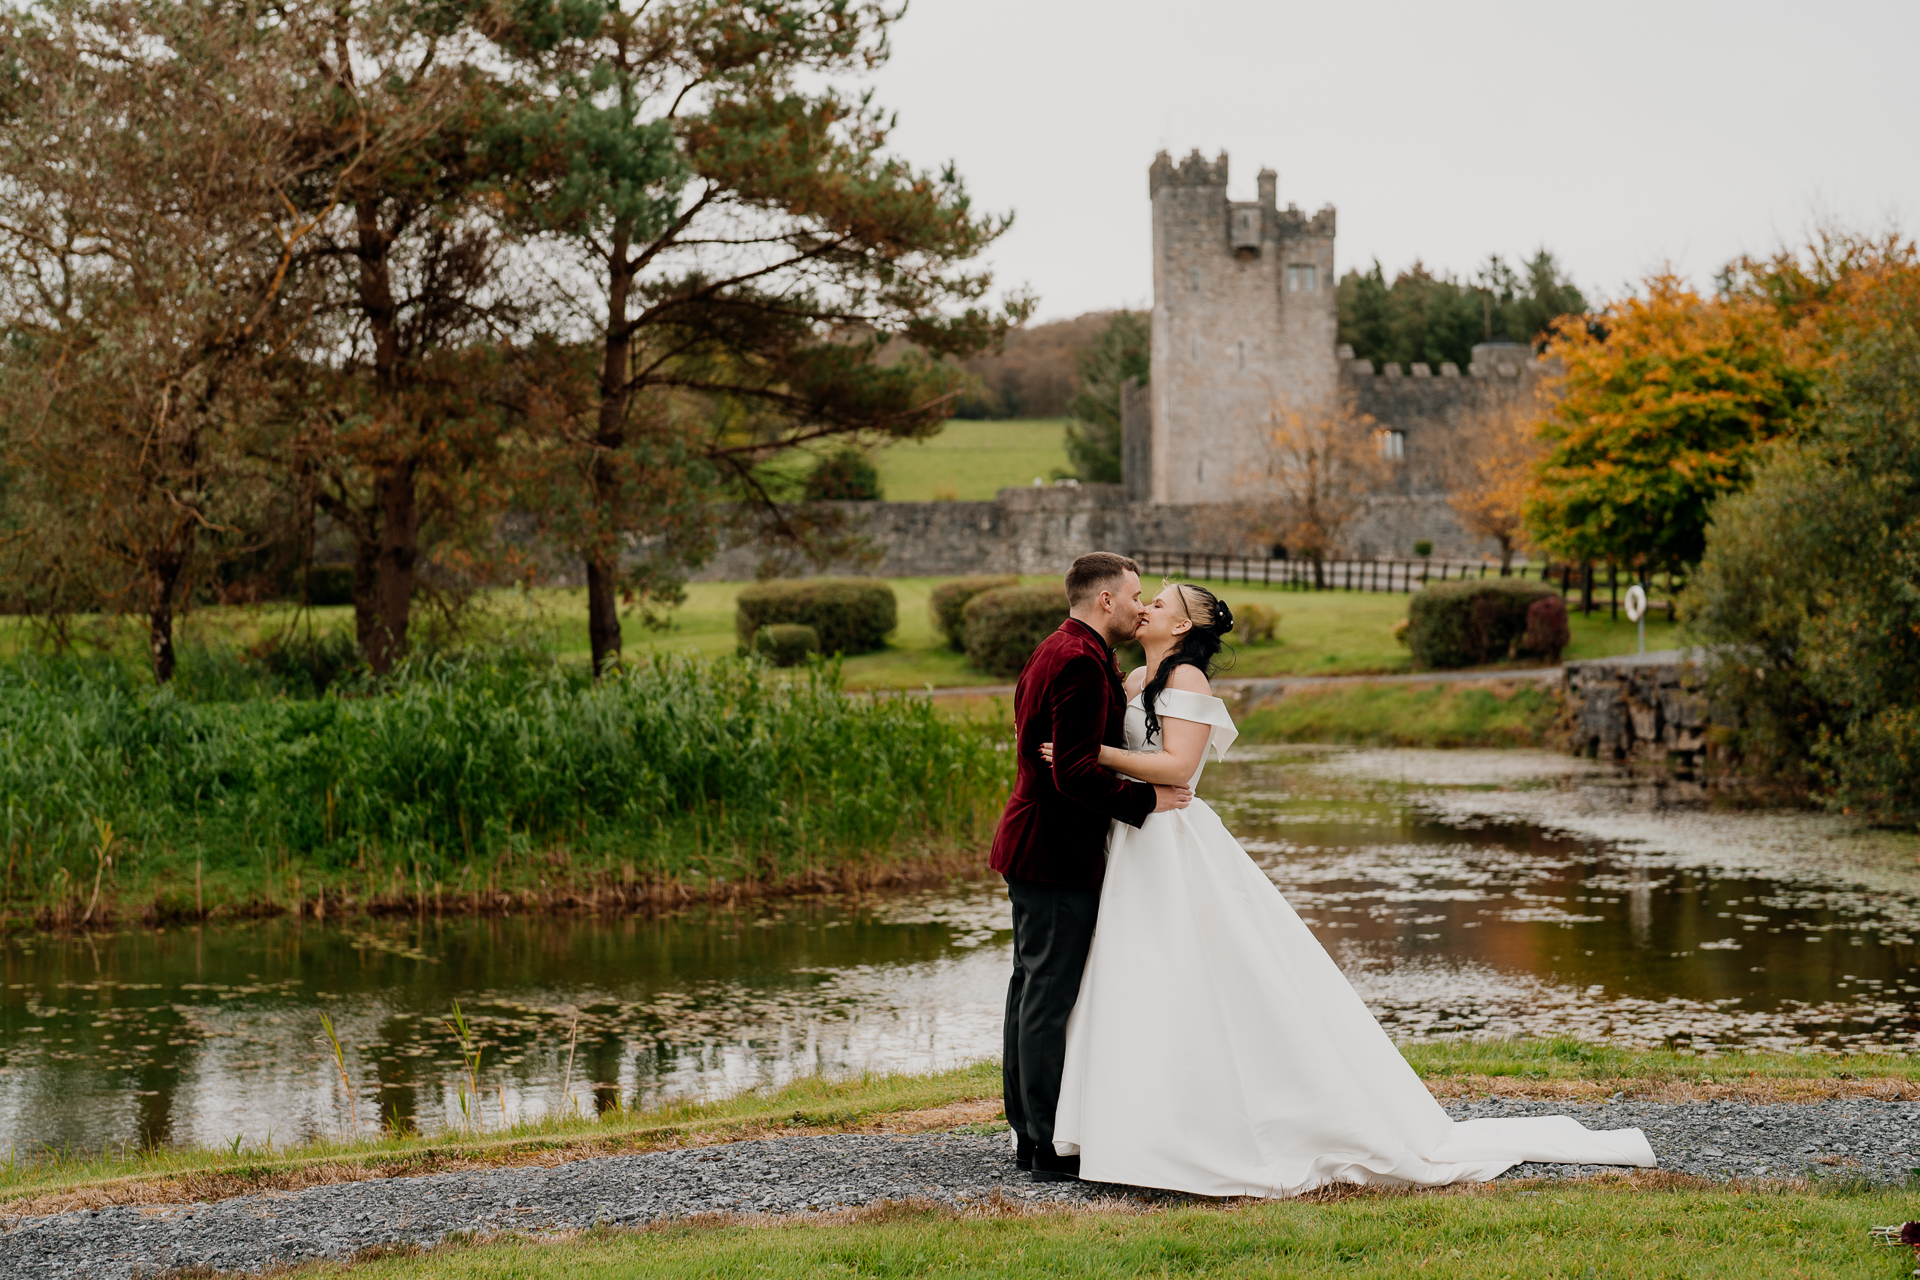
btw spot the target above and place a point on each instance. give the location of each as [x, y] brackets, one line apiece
[473, 776]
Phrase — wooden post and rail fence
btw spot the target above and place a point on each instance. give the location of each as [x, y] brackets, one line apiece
[1405, 576]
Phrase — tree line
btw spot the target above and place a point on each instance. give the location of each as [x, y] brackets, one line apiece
[411, 272]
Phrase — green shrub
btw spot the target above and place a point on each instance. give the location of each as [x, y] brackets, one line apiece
[1548, 634]
[1004, 626]
[849, 615]
[1255, 623]
[1463, 624]
[786, 644]
[948, 604]
[843, 475]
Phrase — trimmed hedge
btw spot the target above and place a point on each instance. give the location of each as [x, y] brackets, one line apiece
[786, 644]
[948, 604]
[849, 615]
[1005, 625]
[1463, 624]
[1548, 634]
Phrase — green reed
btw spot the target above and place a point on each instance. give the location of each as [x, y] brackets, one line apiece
[470, 776]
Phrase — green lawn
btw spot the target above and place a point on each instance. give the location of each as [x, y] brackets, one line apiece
[1321, 632]
[972, 461]
[1410, 715]
[1616, 1229]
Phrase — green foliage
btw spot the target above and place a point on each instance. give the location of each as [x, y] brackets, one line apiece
[1423, 548]
[947, 604]
[849, 615]
[845, 475]
[455, 770]
[1436, 319]
[1005, 625]
[1255, 624]
[1806, 591]
[1122, 351]
[1463, 624]
[785, 644]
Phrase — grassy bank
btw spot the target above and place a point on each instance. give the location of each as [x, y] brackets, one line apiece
[967, 1097]
[1646, 1226]
[1411, 715]
[472, 783]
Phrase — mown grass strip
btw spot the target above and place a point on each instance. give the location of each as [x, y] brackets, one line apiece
[1559, 1058]
[810, 1105]
[815, 1105]
[1623, 1229]
[1411, 715]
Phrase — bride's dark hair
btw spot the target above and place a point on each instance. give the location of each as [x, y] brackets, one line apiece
[1199, 644]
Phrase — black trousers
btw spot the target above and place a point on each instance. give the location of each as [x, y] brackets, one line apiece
[1052, 933]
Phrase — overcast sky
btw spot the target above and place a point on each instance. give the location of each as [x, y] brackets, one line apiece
[1621, 135]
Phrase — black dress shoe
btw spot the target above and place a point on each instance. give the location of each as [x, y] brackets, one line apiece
[1048, 1167]
[1023, 1153]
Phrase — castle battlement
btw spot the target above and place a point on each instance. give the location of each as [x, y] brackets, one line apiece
[1195, 171]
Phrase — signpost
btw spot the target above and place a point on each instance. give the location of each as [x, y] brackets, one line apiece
[1637, 611]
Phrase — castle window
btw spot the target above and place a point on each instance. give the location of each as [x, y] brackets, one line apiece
[1303, 278]
[1392, 444]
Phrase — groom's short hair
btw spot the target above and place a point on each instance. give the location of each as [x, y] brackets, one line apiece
[1093, 573]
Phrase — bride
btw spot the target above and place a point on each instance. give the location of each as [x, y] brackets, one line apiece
[1215, 1047]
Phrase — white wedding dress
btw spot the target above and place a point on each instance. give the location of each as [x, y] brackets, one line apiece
[1216, 1049]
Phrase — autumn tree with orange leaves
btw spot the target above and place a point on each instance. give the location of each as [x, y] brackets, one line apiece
[1489, 465]
[1665, 405]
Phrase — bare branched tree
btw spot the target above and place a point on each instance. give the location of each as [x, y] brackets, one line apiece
[1326, 462]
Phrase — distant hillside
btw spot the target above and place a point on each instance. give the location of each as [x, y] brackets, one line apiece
[1033, 376]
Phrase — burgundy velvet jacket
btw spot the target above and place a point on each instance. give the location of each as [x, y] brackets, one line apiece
[1055, 828]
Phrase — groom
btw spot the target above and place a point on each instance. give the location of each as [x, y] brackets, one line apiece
[1052, 841]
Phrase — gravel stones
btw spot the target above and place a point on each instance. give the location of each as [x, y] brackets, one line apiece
[1864, 1138]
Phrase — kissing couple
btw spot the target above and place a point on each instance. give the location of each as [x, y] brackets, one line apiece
[1199, 1039]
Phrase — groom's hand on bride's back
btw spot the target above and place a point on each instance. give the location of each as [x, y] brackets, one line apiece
[1165, 798]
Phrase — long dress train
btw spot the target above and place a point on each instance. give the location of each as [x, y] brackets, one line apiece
[1217, 1049]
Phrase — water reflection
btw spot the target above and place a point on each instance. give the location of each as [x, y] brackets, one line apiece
[1466, 894]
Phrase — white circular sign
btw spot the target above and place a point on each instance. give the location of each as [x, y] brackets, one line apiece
[1636, 603]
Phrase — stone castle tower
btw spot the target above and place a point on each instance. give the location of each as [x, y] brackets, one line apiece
[1243, 320]
[1244, 325]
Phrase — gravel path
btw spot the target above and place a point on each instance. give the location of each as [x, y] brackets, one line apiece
[1864, 1138]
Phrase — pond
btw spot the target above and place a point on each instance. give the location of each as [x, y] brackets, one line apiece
[1465, 894]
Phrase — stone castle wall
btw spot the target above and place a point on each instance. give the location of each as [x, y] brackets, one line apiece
[1041, 531]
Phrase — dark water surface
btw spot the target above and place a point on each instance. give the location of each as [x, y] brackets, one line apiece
[1465, 893]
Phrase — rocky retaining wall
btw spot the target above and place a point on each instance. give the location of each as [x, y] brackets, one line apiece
[1644, 706]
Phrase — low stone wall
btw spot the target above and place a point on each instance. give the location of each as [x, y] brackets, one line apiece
[1644, 706]
[1041, 530]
